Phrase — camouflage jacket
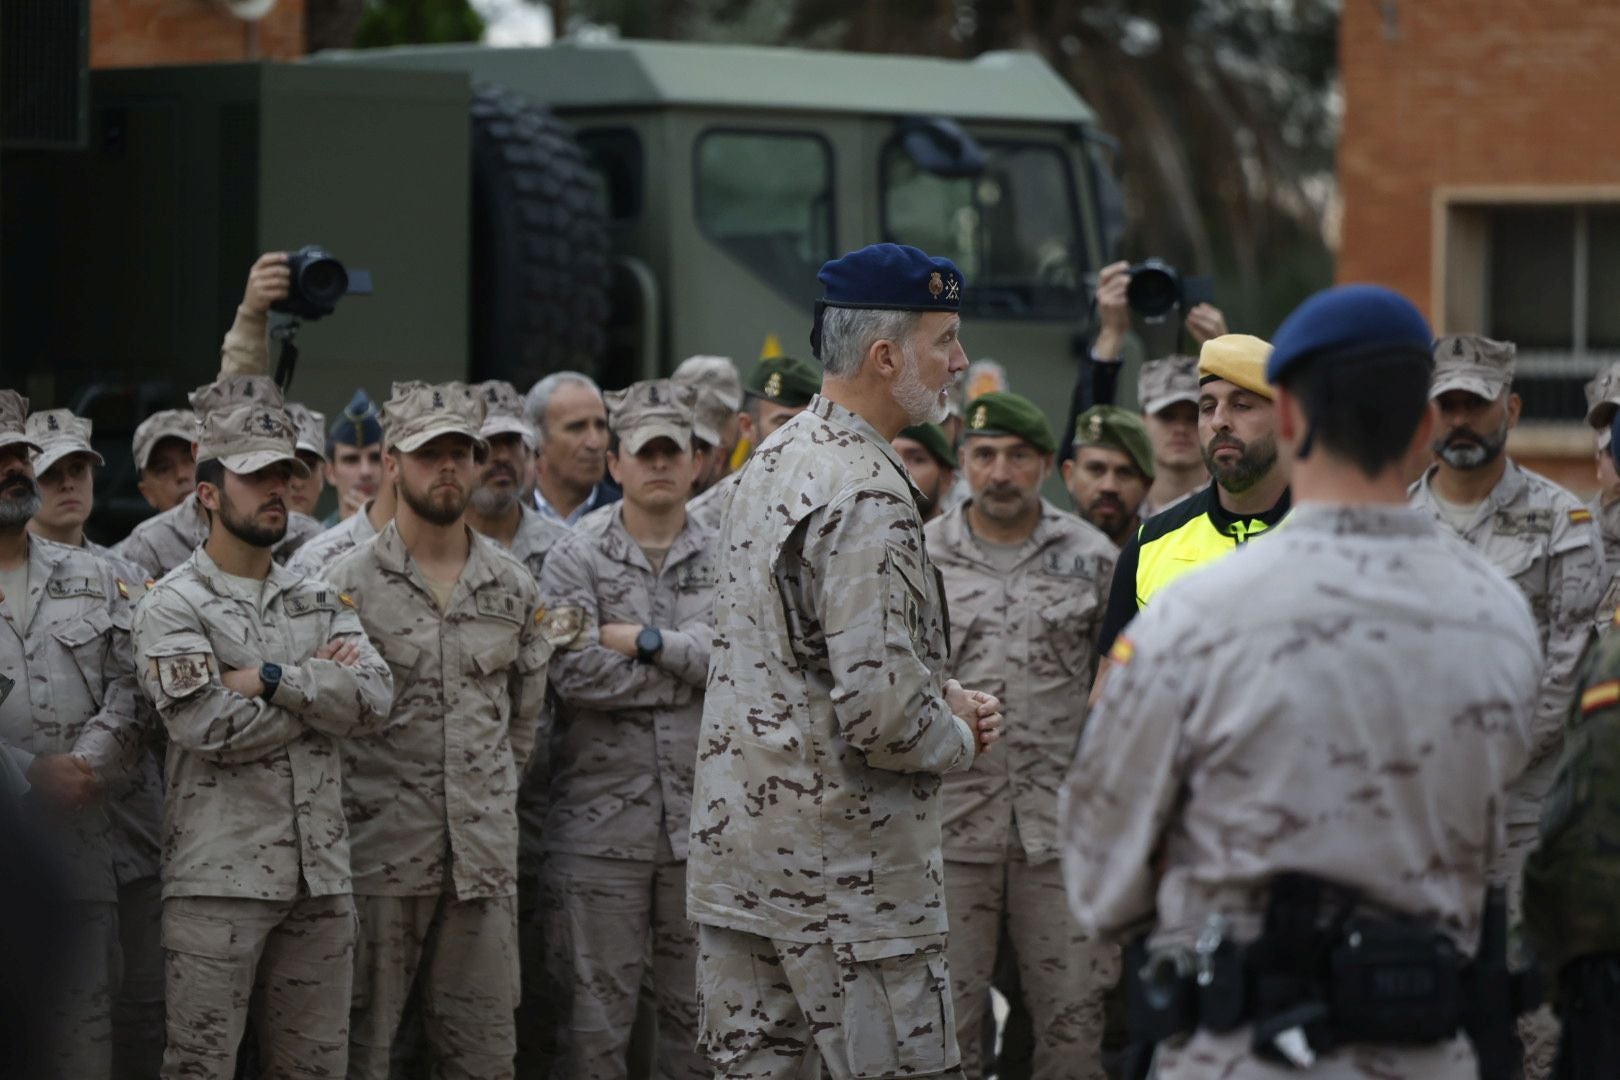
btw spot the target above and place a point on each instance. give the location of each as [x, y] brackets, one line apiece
[1326, 728]
[1571, 879]
[1030, 638]
[1607, 515]
[816, 815]
[161, 543]
[1541, 536]
[536, 536]
[626, 732]
[709, 508]
[432, 798]
[254, 802]
[75, 676]
[318, 554]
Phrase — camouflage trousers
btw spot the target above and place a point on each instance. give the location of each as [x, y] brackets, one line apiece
[783, 1010]
[1065, 975]
[137, 1011]
[292, 959]
[79, 1043]
[1538, 1031]
[460, 958]
[607, 921]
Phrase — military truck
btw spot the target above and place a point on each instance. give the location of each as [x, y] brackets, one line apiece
[610, 207]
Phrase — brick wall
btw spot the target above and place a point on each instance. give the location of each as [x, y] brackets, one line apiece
[1442, 92]
[135, 33]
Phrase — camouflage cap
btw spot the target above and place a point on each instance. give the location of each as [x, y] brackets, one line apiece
[249, 437]
[1116, 429]
[716, 374]
[419, 412]
[59, 433]
[229, 390]
[710, 417]
[644, 411]
[503, 412]
[931, 437]
[1166, 382]
[14, 422]
[1002, 413]
[1603, 397]
[310, 427]
[168, 424]
[785, 380]
[1481, 366]
[1239, 359]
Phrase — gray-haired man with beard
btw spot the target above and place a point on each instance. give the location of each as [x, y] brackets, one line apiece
[71, 727]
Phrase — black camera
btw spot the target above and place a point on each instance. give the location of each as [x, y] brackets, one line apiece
[1156, 289]
[319, 281]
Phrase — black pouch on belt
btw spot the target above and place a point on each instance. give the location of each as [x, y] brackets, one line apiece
[1393, 981]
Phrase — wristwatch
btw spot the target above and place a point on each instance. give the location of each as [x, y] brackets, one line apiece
[648, 644]
[270, 675]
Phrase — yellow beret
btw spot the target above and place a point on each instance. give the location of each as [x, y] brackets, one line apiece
[1239, 359]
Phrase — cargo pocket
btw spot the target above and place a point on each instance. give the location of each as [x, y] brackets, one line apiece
[898, 1014]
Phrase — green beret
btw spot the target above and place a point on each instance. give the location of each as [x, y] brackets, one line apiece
[932, 437]
[1116, 429]
[786, 381]
[1001, 413]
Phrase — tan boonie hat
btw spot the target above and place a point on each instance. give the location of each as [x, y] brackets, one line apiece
[59, 433]
[229, 390]
[503, 412]
[710, 416]
[310, 427]
[249, 438]
[644, 411]
[1603, 398]
[1167, 382]
[14, 422]
[169, 424]
[420, 412]
[716, 373]
[1479, 365]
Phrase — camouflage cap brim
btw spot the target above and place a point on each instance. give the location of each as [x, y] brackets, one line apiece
[1157, 405]
[634, 440]
[254, 460]
[1483, 383]
[54, 452]
[19, 439]
[417, 439]
[508, 425]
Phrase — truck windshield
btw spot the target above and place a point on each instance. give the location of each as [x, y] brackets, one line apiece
[1011, 230]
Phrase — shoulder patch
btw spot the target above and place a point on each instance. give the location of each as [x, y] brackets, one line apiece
[1601, 696]
[182, 675]
[562, 626]
[1122, 651]
[500, 605]
[1580, 517]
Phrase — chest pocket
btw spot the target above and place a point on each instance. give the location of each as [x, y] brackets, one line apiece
[501, 605]
[309, 613]
[81, 654]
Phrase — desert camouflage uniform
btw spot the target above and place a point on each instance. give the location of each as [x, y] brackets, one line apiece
[75, 675]
[432, 800]
[709, 508]
[1028, 636]
[1328, 730]
[317, 555]
[816, 871]
[256, 884]
[161, 543]
[621, 792]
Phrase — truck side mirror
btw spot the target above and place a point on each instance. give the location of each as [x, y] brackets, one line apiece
[939, 145]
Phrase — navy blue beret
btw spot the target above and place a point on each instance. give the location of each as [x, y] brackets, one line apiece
[891, 277]
[1349, 320]
[357, 425]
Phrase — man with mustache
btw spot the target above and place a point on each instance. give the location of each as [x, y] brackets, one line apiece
[1539, 535]
[815, 869]
[637, 580]
[72, 727]
[1237, 424]
[433, 798]
[1110, 470]
[1027, 585]
[496, 509]
[259, 675]
[159, 544]
[570, 479]
[931, 464]
[64, 465]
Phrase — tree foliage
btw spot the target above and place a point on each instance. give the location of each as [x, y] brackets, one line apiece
[417, 22]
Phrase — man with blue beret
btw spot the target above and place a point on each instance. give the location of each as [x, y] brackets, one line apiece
[1288, 734]
[815, 871]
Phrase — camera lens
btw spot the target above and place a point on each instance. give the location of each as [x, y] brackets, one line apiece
[1152, 292]
[323, 282]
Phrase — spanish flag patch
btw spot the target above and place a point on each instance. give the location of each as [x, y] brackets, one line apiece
[1601, 696]
[1580, 517]
[1122, 651]
[345, 599]
[123, 590]
[539, 614]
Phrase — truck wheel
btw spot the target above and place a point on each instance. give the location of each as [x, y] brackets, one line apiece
[540, 247]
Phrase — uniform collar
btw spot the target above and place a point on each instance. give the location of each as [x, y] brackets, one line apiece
[1376, 520]
[836, 414]
[620, 546]
[958, 535]
[220, 583]
[1507, 489]
[393, 557]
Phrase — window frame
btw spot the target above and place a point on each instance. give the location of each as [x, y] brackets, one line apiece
[719, 242]
[584, 132]
[1060, 150]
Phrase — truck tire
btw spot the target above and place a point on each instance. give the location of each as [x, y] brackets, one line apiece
[539, 299]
